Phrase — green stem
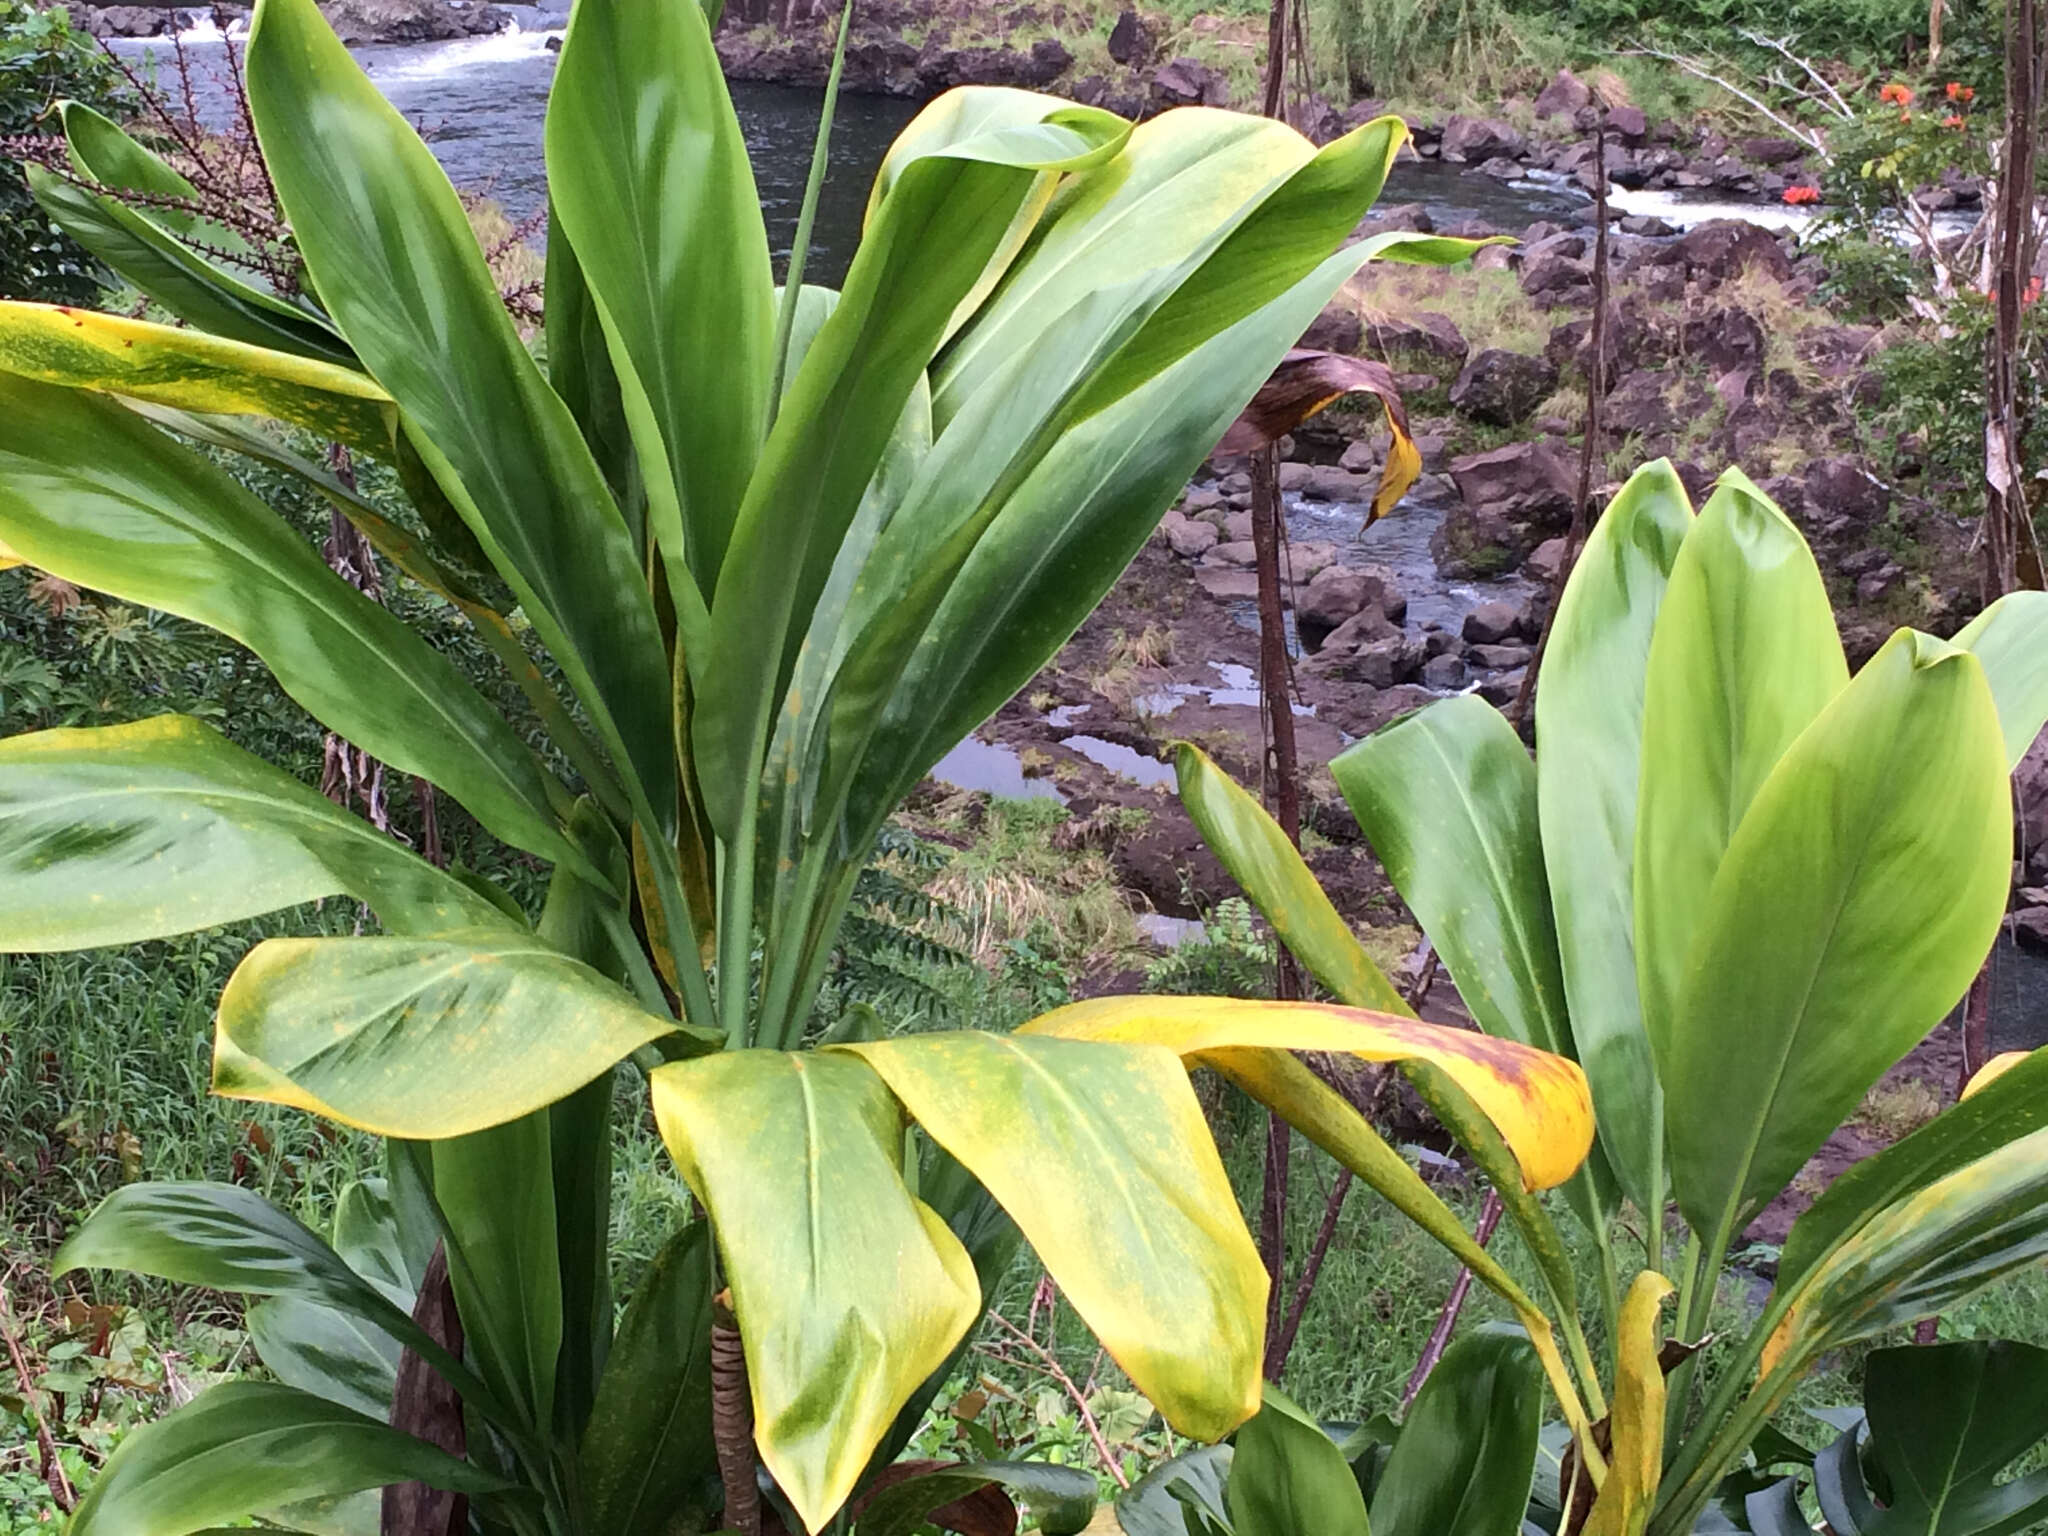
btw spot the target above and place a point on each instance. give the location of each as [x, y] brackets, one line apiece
[639, 974]
[736, 924]
[1582, 1362]
[1679, 1508]
[821, 154]
[682, 934]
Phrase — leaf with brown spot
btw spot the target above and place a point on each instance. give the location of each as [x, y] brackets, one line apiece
[1306, 382]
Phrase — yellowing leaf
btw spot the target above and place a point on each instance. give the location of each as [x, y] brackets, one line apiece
[1636, 1457]
[1994, 1069]
[1100, 1154]
[1306, 382]
[1538, 1101]
[8, 558]
[848, 1289]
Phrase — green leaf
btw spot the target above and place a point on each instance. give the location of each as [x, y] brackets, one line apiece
[231, 1239]
[848, 1290]
[1061, 1499]
[649, 176]
[1156, 1504]
[1289, 1479]
[647, 1451]
[424, 1038]
[2010, 638]
[193, 371]
[130, 832]
[494, 1194]
[1466, 1455]
[942, 203]
[105, 153]
[178, 277]
[2012, 1105]
[249, 1446]
[1271, 870]
[1100, 1154]
[91, 493]
[397, 265]
[1854, 905]
[1945, 1421]
[1589, 733]
[327, 1352]
[1743, 657]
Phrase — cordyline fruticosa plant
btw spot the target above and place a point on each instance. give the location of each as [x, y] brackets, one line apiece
[785, 551]
[1737, 885]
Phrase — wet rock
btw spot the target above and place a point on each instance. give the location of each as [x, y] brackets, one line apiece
[1237, 552]
[1502, 690]
[411, 21]
[1307, 559]
[1385, 663]
[1188, 538]
[1546, 561]
[1227, 584]
[1498, 658]
[1501, 168]
[1200, 499]
[1340, 593]
[1186, 82]
[1725, 339]
[1336, 329]
[1726, 247]
[1646, 224]
[1510, 500]
[1630, 124]
[1841, 487]
[1501, 388]
[1360, 457]
[1424, 333]
[1326, 482]
[1131, 41]
[1565, 94]
[1564, 242]
[1479, 138]
[1446, 671]
[1491, 623]
[130, 21]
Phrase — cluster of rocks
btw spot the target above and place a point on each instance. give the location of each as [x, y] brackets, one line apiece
[354, 21]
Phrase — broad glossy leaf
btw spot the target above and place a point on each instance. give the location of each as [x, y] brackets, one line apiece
[1279, 883]
[2009, 1106]
[1100, 1154]
[2011, 639]
[944, 198]
[1466, 1455]
[397, 265]
[647, 1451]
[649, 176]
[1853, 907]
[1945, 1421]
[122, 833]
[1538, 1101]
[231, 1239]
[848, 1290]
[192, 371]
[424, 1038]
[1635, 1462]
[1589, 735]
[1061, 1499]
[1288, 1477]
[92, 493]
[1156, 1502]
[494, 1195]
[326, 1352]
[1838, 1488]
[179, 277]
[249, 1446]
[105, 153]
[1921, 1254]
[1743, 656]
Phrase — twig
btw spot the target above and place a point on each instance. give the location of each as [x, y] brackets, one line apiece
[1777, 45]
[1693, 67]
[1052, 1368]
[1311, 1271]
[1447, 1318]
[52, 1469]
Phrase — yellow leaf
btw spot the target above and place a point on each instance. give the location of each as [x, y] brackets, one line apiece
[1539, 1102]
[8, 558]
[1636, 1453]
[1987, 1074]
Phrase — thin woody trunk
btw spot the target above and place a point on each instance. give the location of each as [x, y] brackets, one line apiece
[732, 1421]
[426, 1407]
[2008, 529]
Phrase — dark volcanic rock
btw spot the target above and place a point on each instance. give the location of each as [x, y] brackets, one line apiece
[1479, 138]
[1131, 41]
[1724, 247]
[1725, 339]
[1336, 329]
[411, 21]
[1186, 82]
[1839, 487]
[1502, 388]
[1509, 501]
[1424, 332]
[1565, 94]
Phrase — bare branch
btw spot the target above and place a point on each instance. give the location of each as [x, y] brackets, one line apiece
[1700, 71]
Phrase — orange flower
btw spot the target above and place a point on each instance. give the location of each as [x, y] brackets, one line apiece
[2033, 292]
[1799, 196]
[1905, 117]
[1895, 93]
[1955, 90]
[1951, 121]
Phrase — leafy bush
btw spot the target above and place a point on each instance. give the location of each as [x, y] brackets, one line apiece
[43, 59]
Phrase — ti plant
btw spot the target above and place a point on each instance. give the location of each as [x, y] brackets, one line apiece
[782, 550]
[1736, 885]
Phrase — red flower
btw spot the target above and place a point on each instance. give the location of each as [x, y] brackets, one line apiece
[1951, 121]
[1955, 90]
[2033, 292]
[1895, 93]
[1799, 196]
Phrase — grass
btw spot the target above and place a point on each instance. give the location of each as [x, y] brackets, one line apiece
[1487, 305]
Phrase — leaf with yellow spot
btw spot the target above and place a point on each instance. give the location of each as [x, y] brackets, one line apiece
[1539, 1102]
[424, 1039]
[177, 366]
[848, 1290]
[1100, 1154]
[1636, 1460]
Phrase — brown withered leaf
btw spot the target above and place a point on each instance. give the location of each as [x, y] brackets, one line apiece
[1306, 382]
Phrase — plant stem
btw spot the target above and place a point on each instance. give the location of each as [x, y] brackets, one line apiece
[1311, 1269]
[821, 155]
[1454, 1304]
[639, 974]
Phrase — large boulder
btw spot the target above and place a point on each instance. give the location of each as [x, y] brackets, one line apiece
[1336, 329]
[1424, 333]
[1186, 82]
[1131, 41]
[1503, 388]
[1327, 482]
[130, 20]
[1725, 340]
[1340, 593]
[1565, 94]
[1509, 501]
[411, 21]
[1188, 538]
[1479, 138]
[1726, 247]
[1640, 404]
[1841, 487]
[1555, 275]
